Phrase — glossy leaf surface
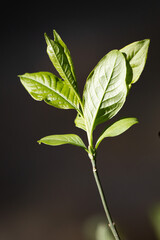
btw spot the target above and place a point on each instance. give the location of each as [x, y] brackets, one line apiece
[105, 90]
[61, 59]
[117, 128]
[56, 140]
[58, 39]
[136, 54]
[46, 86]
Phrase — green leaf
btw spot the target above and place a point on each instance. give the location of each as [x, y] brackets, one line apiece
[46, 86]
[61, 59]
[58, 39]
[80, 122]
[136, 55]
[105, 90]
[117, 128]
[56, 140]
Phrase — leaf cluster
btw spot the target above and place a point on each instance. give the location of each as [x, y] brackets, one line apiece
[105, 91]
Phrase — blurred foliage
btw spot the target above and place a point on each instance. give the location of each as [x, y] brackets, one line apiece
[155, 219]
[103, 232]
[97, 229]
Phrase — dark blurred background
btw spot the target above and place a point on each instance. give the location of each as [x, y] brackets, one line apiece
[49, 193]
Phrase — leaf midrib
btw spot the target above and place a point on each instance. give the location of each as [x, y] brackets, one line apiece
[103, 95]
[64, 72]
[136, 52]
[75, 107]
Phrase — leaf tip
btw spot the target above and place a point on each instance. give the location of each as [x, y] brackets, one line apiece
[56, 36]
[136, 120]
[46, 38]
[54, 32]
[39, 141]
[148, 41]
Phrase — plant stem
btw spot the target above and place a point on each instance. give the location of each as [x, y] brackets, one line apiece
[99, 186]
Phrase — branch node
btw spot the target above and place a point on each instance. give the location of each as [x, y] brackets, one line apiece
[109, 225]
[94, 169]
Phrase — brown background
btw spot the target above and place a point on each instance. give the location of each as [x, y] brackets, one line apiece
[49, 193]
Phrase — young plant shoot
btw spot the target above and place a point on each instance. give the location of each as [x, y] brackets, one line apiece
[105, 92]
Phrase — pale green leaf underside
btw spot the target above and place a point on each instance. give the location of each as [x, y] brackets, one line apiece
[117, 128]
[61, 59]
[80, 122]
[104, 94]
[56, 140]
[105, 90]
[136, 54]
[46, 86]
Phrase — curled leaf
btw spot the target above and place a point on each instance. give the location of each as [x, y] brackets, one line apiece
[56, 140]
[61, 59]
[117, 128]
[136, 55]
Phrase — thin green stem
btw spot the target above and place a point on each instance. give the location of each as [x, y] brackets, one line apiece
[101, 193]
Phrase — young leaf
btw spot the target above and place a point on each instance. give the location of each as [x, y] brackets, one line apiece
[80, 122]
[56, 140]
[46, 86]
[136, 54]
[117, 128]
[61, 59]
[105, 90]
[58, 39]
